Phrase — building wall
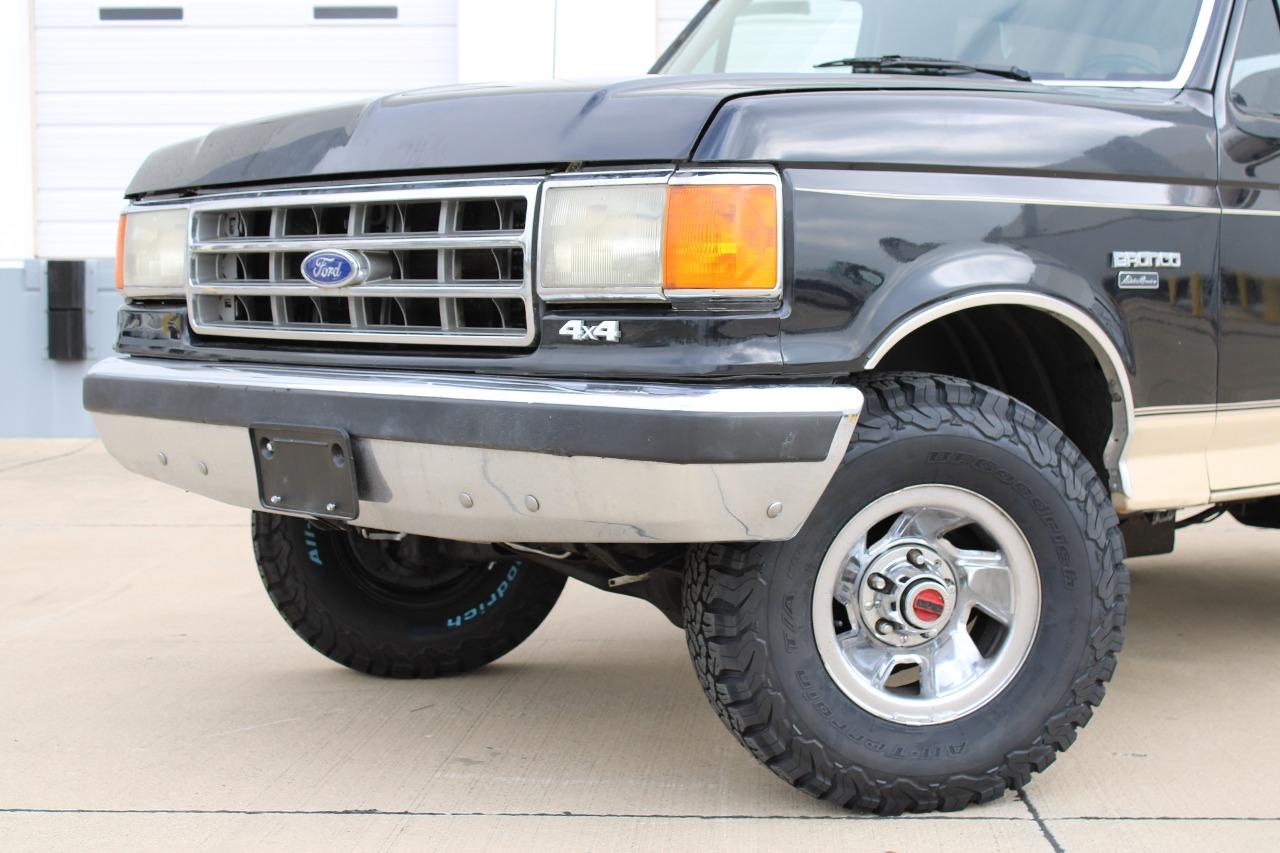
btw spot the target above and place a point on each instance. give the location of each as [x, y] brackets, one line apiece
[87, 96]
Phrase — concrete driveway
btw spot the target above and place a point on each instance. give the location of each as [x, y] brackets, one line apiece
[151, 698]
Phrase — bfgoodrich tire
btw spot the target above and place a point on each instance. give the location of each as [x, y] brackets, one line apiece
[943, 623]
[414, 608]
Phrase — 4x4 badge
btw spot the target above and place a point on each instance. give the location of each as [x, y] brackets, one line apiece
[609, 330]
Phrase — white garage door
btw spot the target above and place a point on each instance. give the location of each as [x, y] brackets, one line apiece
[116, 79]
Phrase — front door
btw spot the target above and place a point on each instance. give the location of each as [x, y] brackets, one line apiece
[1244, 455]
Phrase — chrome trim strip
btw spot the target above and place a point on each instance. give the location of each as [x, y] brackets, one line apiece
[650, 397]
[1245, 493]
[1015, 200]
[346, 193]
[1084, 325]
[1235, 211]
[424, 288]
[488, 240]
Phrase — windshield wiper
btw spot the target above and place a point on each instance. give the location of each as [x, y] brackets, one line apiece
[923, 65]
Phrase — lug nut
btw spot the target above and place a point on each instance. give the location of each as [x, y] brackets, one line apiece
[916, 558]
[878, 582]
[884, 626]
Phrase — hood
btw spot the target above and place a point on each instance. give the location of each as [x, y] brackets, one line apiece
[459, 128]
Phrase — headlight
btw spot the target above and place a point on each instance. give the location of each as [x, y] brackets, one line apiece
[701, 235]
[602, 240]
[151, 253]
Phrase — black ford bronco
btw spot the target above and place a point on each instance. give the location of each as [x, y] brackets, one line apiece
[862, 338]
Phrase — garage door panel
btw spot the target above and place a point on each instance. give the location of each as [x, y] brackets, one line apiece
[78, 239]
[192, 109]
[84, 13]
[235, 61]
[89, 157]
[376, 76]
[79, 205]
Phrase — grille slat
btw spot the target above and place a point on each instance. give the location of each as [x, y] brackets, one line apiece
[448, 265]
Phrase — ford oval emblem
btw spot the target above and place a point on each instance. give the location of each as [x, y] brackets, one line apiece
[335, 268]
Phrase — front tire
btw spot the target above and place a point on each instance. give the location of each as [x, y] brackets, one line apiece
[943, 623]
[414, 608]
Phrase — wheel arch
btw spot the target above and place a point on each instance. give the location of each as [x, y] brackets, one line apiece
[1113, 356]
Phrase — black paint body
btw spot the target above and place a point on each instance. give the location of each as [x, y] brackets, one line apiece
[901, 192]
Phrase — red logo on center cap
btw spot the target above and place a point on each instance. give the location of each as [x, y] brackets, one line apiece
[928, 605]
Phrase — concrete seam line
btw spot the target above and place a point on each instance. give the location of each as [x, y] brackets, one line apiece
[1044, 827]
[653, 816]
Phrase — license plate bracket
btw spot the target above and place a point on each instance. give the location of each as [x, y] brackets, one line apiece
[305, 470]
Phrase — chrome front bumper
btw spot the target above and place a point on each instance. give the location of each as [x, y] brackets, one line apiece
[494, 459]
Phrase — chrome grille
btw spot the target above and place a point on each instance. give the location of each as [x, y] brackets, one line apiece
[449, 264]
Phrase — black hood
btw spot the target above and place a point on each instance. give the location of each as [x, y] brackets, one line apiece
[459, 128]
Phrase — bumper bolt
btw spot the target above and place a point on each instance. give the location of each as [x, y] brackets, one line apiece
[774, 510]
[202, 468]
[531, 503]
[330, 507]
[275, 500]
[164, 460]
[466, 500]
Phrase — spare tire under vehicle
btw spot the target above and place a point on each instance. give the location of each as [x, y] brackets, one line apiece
[407, 607]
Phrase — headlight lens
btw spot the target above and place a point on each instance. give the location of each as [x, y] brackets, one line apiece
[602, 241]
[710, 235]
[152, 253]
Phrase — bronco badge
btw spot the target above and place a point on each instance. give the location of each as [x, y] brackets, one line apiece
[1146, 260]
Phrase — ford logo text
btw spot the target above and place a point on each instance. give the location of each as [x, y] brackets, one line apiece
[335, 268]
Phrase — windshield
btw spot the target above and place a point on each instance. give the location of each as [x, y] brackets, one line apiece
[1134, 41]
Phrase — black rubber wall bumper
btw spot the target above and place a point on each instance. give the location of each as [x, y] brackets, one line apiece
[687, 438]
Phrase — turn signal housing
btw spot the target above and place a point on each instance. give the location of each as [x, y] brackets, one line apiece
[120, 228]
[721, 237]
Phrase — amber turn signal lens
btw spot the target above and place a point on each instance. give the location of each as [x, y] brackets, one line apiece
[721, 237]
[120, 254]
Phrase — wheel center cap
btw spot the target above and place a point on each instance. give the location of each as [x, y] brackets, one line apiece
[925, 604]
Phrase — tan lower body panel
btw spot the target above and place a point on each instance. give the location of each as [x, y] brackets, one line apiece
[1190, 456]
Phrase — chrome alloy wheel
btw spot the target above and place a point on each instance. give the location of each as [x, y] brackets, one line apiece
[926, 604]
